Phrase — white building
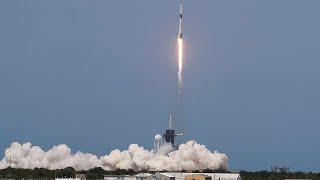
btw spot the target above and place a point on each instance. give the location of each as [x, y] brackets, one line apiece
[119, 177]
[163, 176]
[172, 176]
[67, 179]
[141, 176]
[144, 176]
[214, 176]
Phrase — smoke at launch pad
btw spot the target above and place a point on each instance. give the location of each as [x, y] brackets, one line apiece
[189, 156]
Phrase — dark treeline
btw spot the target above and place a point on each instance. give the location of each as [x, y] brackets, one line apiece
[98, 173]
[69, 172]
[268, 175]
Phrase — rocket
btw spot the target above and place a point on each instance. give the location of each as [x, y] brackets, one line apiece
[180, 23]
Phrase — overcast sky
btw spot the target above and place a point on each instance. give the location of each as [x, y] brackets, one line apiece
[101, 75]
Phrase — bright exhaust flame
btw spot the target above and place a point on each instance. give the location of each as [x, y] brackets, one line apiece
[180, 61]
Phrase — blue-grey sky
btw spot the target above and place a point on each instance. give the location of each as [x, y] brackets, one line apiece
[100, 75]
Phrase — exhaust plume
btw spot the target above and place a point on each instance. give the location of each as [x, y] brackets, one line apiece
[180, 66]
[189, 156]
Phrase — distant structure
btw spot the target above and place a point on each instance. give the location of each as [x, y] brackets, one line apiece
[81, 176]
[77, 177]
[163, 176]
[144, 176]
[170, 134]
[169, 137]
[176, 176]
[66, 179]
[157, 142]
[119, 177]
[214, 176]
[198, 177]
[280, 169]
[141, 176]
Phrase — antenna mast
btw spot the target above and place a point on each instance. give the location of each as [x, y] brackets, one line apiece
[170, 121]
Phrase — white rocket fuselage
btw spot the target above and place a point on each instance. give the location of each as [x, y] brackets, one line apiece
[180, 23]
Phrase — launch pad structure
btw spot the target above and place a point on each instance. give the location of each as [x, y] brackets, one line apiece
[169, 137]
[170, 134]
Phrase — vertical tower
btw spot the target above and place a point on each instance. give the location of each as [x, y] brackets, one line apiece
[170, 134]
[157, 142]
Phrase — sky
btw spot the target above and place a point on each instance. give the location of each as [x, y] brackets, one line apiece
[101, 75]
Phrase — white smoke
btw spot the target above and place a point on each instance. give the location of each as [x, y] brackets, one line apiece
[29, 157]
[165, 148]
[189, 156]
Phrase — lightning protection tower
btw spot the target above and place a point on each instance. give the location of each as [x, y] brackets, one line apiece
[170, 134]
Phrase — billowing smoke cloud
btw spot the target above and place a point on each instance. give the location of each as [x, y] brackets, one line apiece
[28, 157]
[189, 156]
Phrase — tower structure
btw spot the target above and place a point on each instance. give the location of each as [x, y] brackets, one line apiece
[170, 134]
[157, 142]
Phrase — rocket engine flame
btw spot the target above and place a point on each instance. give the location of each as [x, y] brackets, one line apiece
[180, 64]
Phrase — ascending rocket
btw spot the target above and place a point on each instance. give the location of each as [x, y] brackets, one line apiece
[180, 23]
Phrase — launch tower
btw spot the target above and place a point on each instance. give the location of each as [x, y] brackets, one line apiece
[170, 134]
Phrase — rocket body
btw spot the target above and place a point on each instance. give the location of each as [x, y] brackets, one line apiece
[180, 50]
[180, 23]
